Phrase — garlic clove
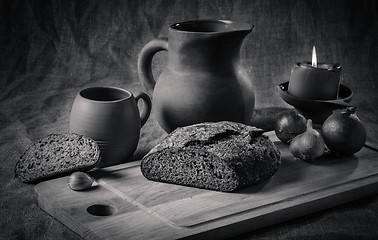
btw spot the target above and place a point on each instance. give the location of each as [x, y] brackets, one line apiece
[79, 181]
[308, 145]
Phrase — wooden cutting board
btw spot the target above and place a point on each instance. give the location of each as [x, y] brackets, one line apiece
[125, 205]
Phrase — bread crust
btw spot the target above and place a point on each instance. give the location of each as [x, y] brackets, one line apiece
[222, 156]
[57, 155]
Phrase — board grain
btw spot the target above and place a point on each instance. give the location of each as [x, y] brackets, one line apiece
[125, 205]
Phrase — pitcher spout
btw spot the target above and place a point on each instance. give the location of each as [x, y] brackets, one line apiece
[208, 45]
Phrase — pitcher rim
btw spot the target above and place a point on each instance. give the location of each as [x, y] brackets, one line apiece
[246, 27]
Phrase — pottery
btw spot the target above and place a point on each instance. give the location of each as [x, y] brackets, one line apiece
[317, 110]
[204, 79]
[111, 117]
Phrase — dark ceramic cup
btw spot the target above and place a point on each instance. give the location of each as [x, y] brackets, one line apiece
[111, 117]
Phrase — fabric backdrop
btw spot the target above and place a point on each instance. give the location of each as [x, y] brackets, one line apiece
[50, 50]
[67, 45]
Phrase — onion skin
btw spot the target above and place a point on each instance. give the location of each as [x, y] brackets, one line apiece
[344, 133]
[290, 124]
[308, 145]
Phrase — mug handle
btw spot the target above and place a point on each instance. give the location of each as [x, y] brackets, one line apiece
[147, 107]
[145, 61]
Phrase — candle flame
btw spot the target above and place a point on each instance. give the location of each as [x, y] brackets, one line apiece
[314, 59]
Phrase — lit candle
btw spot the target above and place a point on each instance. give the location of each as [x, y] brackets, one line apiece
[314, 60]
[315, 80]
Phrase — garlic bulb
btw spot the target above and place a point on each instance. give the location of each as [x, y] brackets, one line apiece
[80, 181]
[308, 145]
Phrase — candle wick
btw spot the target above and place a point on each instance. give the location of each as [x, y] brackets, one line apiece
[314, 59]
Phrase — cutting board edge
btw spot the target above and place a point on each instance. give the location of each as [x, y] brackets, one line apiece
[247, 223]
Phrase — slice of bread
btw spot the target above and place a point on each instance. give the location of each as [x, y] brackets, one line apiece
[222, 156]
[57, 155]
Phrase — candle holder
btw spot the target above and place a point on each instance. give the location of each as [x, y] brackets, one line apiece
[314, 89]
[309, 82]
[317, 110]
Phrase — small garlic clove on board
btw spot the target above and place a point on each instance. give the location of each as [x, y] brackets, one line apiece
[308, 145]
[79, 181]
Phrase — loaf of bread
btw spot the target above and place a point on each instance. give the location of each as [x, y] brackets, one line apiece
[57, 155]
[222, 156]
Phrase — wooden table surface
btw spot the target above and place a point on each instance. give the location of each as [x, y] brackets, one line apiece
[22, 218]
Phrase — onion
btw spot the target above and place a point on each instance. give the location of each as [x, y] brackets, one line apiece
[343, 132]
[289, 124]
[308, 145]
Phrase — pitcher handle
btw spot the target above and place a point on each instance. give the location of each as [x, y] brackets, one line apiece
[146, 109]
[145, 61]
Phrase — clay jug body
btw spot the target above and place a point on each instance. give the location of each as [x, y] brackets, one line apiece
[204, 79]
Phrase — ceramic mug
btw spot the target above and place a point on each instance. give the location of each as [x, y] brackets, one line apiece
[111, 117]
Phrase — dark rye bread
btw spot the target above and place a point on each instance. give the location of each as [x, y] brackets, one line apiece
[222, 156]
[57, 155]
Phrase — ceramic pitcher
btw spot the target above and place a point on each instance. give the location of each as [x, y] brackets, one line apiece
[204, 79]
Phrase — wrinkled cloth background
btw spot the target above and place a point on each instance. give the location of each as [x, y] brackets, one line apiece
[50, 50]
